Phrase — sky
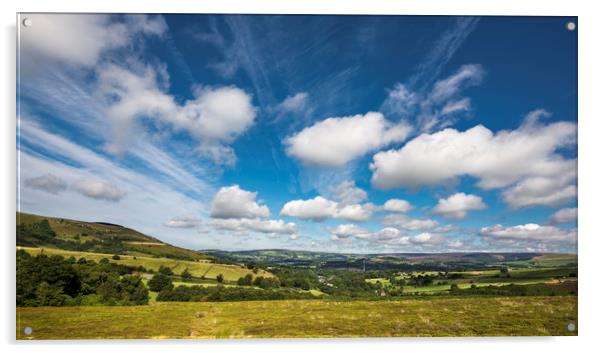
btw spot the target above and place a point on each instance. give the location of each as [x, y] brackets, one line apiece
[363, 134]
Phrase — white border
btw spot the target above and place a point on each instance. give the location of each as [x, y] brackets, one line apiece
[590, 159]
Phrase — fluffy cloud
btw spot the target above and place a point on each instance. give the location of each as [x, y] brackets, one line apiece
[80, 39]
[236, 210]
[397, 205]
[243, 225]
[565, 215]
[457, 206]
[388, 235]
[183, 222]
[346, 193]
[316, 209]
[320, 208]
[215, 117]
[48, 182]
[234, 202]
[530, 232]
[356, 212]
[336, 141]
[99, 190]
[543, 191]
[496, 159]
[413, 224]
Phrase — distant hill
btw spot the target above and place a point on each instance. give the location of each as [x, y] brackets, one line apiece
[60, 233]
[407, 261]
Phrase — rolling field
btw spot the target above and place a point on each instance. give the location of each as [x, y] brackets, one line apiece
[475, 316]
[196, 268]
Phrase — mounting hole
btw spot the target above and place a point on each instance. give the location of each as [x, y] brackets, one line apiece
[571, 26]
[570, 327]
[27, 330]
[27, 22]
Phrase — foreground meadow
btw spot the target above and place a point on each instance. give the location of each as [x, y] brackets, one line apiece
[474, 316]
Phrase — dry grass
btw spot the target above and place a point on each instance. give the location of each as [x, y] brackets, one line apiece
[516, 316]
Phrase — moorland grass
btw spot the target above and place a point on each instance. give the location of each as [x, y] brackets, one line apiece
[431, 316]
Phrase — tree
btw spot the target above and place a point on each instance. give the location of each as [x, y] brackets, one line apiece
[116, 257]
[159, 282]
[103, 261]
[186, 275]
[246, 280]
[165, 270]
[133, 290]
[454, 287]
[220, 278]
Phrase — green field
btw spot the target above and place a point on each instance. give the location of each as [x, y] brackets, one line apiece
[474, 316]
[196, 268]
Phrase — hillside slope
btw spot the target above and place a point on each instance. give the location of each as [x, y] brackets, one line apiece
[60, 233]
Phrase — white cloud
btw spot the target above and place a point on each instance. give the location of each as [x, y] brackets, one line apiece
[530, 232]
[244, 225]
[413, 224]
[320, 208]
[215, 117]
[47, 182]
[457, 205]
[316, 209]
[100, 190]
[565, 215]
[347, 193]
[80, 39]
[356, 212]
[397, 205]
[387, 235]
[495, 159]
[335, 141]
[437, 108]
[293, 104]
[234, 202]
[549, 191]
[187, 221]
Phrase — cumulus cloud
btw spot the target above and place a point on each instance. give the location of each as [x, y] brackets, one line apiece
[497, 160]
[215, 117]
[356, 212]
[48, 182]
[408, 223]
[187, 221]
[347, 193]
[234, 202]
[80, 39]
[335, 141]
[565, 215]
[319, 208]
[244, 225]
[99, 190]
[530, 232]
[387, 235]
[316, 209]
[457, 205]
[397, 205]
[549, 191]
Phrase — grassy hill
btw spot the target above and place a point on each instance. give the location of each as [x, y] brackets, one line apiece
[197, 269]
[68, 234]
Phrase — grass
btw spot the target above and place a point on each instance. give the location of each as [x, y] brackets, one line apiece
[473, 316]
[196, 268]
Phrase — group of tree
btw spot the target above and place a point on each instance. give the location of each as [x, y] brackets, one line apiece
[222, 293]
[44, 280]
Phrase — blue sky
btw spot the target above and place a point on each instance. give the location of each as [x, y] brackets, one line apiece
[330, 133]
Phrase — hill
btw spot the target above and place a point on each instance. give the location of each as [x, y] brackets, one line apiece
[67, 234]
[401, 261]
